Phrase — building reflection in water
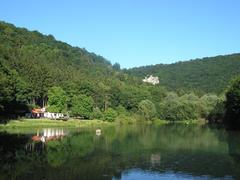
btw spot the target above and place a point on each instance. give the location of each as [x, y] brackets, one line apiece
[49, 134]
[155, 159]
[41, 137]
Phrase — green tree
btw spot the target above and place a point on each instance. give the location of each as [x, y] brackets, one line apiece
[147, 109]
[232, 118]
[116, 66]
[216, 115]
[131, 96]
[82, 105]
[57, 100]
[97, 113]
[208, 103]
[110, 115]
[176, 108]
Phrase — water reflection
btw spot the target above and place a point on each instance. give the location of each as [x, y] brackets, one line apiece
[39, 140]
[49, 134]
[131, 152]
[155, 159]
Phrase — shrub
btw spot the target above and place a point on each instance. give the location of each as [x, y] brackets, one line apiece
[97, 113]
[110, 115]
[147, 109]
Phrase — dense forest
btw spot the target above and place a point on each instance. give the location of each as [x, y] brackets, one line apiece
[207, 75]
[38, 71]
[33, 65]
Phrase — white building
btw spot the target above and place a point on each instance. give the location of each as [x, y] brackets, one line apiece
[151, 79]
[53, 115]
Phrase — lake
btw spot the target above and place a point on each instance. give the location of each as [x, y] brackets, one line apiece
[121, 152]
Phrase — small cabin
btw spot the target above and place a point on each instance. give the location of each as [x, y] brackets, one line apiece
[51, 115]
[37, 113]
[41, 113]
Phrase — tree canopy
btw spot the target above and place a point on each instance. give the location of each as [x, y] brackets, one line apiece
[207, 75]
[232, 116]
[37, 70]
[82, 106]
[57, 100]
[147, 109]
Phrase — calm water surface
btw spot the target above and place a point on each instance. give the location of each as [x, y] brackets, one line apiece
[121, 152]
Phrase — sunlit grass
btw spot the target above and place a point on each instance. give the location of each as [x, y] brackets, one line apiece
[76, 123]
[38, 123]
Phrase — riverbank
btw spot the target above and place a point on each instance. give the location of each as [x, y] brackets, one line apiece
[44, 123]
[75, 123]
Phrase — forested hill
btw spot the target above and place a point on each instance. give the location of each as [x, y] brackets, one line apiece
[210, 74]
[20, 47]
[31, 63]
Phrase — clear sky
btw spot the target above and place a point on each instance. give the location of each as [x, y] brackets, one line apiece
[134, 32]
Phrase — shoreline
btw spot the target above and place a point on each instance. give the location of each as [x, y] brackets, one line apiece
[75, 123]
[47, 123]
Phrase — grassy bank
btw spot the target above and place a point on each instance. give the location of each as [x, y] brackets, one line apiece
[75, 123]
[40, 123]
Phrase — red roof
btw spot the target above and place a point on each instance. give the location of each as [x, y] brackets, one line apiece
[37, 111]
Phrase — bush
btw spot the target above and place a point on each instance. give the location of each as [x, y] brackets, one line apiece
[147, 109]
[121, 110]
[97, 113]
[110, 115]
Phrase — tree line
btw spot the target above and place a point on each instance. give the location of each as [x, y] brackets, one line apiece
[206, 75]
[36, 70]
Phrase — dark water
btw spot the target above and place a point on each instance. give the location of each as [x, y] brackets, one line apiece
[123, 152]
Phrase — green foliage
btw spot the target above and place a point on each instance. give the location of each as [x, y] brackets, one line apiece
[157, 93]
[116, 66]
[82, 106]
[97, 113]
[207, 75]
[110, 115]
[36, 70]
[176, 108]
[13, 92]
[31, 63]
[187, 106]
[217, 114]
[232, 119]
[147, 109]
[132, 95]
[57, 100]
[208, 103]
[121, 110]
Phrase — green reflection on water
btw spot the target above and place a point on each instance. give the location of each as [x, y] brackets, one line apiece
[192, 150]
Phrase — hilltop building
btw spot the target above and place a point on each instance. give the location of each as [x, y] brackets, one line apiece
[151, 79]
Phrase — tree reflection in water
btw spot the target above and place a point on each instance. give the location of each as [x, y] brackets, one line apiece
[189, 152]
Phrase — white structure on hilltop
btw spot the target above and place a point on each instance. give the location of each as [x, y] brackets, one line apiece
[151, 79]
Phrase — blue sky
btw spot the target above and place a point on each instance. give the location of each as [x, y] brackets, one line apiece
[134, 32]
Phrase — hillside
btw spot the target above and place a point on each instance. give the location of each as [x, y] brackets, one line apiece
[38, 71]
[32, 63]
[207, 75]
